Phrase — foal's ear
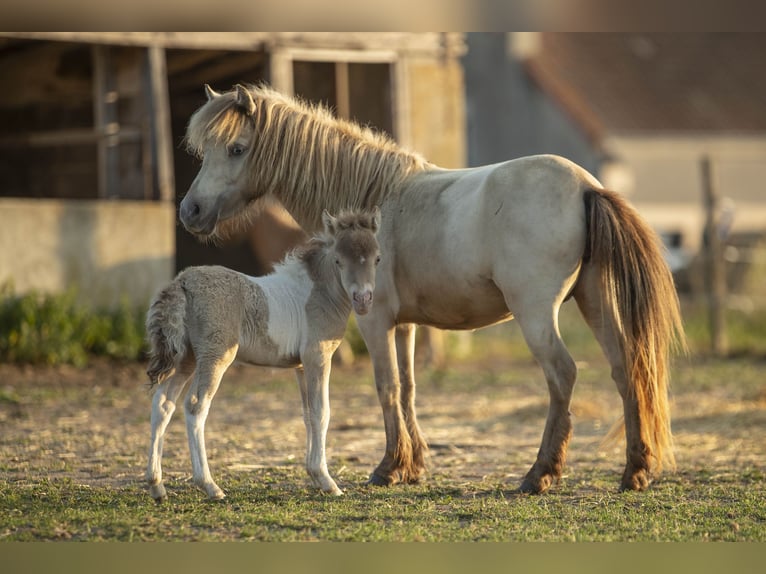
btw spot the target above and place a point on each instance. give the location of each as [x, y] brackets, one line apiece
[329, 222]
[210, 93]
[245, 99]
[375, 219]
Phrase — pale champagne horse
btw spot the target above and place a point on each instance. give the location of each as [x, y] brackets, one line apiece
[464, 249]
[295, 317]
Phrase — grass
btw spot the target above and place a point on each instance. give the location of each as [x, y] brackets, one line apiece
[72, 462]
[269, 507]
[73, 447]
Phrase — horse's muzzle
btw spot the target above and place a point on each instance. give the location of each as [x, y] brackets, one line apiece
[361, 301]
[194, 220]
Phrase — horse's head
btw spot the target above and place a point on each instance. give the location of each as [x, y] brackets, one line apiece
[356, 254]
[221, 132]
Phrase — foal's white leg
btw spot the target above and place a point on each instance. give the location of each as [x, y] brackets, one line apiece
[197, 405]
[316, 399]
[163, 407]
[301, 376]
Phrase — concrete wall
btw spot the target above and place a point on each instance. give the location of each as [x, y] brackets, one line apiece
[106, 249]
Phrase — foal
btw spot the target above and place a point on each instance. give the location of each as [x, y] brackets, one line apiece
[296, 317]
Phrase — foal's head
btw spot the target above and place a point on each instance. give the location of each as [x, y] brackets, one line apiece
[356, 253]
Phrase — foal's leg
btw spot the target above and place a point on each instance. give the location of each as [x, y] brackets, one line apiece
[397, 464]
[300, 374]
[315, 392]
[602, 321]
[204, 386]
[540, 327]
[405, 356]
[163, 407]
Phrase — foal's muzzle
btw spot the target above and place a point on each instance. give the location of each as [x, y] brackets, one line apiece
[361, 301]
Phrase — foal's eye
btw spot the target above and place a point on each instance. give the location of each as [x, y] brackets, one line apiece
[337, 262]
[236, 150]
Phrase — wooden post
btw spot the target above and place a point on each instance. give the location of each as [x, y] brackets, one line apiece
[342, 90]
[105, 98]
[162, 139]
[715, 271]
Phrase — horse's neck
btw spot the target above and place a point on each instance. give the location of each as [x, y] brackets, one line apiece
[340, 178]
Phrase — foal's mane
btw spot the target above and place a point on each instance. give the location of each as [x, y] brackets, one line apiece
[303, 155]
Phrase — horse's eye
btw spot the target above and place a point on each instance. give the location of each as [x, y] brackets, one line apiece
[337, 262]
[236, 150]
[377, 260]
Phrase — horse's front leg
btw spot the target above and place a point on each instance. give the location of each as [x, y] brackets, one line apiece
[314, 383]
[397, 464]
[405, 354]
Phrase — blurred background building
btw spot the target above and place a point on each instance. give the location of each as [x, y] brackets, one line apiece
[91, 126]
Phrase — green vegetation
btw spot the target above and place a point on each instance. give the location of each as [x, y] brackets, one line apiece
[268, 506]
[59, 329]
[55, 329]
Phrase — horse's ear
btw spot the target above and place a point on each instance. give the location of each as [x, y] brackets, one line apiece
[245, 99]
[329, 222]
[375, 219]
[210, 93]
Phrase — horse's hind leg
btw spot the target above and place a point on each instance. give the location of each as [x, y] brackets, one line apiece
[197, 405]
[405, 356]
[163, 407]
[600, 317]
[540, 327]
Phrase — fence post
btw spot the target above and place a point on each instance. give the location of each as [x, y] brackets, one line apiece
[715, 271]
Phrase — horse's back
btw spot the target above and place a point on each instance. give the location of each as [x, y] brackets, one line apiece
[466, 239]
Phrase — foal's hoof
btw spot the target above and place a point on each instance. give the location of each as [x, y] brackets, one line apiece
[158, 493]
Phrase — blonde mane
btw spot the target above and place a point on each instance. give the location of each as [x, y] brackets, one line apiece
[303, 155]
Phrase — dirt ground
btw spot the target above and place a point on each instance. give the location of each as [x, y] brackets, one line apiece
[483, 420]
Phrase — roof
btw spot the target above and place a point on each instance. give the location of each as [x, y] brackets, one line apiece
[617, 83]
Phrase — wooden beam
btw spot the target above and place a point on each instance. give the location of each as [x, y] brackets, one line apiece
[162, 139]
[342, 91]
[281, 71]
[105, 98]
[70, 137]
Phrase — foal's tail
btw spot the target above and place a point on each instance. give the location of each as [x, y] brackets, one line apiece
[637, 285]
[166, 332]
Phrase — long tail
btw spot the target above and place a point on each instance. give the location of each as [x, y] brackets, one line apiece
[166, 332]
[639, 287]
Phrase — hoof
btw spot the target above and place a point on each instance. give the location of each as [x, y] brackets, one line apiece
[378, 480]
[158, 493]
[636, 480]
[536, 484]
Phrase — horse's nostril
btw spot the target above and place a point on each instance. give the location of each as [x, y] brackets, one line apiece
[195, 209]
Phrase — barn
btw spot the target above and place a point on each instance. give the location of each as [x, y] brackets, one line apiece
[92, 165]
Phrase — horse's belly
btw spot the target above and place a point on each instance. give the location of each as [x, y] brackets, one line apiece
[461, 309]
